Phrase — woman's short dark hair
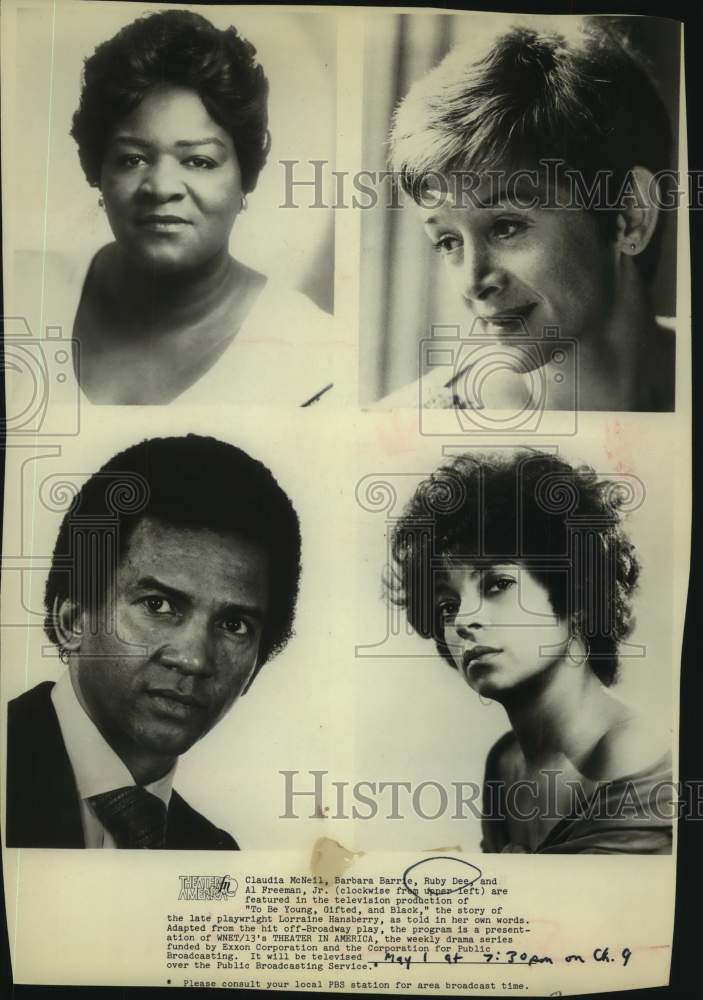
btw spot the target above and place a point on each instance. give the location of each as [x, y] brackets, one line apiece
[183, 482]
[180, 48]
[561, 523]
[512, 98]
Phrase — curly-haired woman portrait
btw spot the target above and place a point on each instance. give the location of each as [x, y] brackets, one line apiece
[189, 283]
[535, 156]
[519, 568]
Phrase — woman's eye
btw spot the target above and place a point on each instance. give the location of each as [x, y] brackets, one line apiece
[201, 162]
[498, 584]
[130, 160]
[158, 606]
[503, 229]
[446, 244]
[448, 609]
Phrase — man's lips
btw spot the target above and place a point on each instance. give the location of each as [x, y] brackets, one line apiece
[470, 656]
[172, 702]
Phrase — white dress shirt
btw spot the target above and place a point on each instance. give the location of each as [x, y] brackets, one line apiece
[96, 766]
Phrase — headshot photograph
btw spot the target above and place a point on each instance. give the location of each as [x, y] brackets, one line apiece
[528, 229]
[158, 231]
[526, 639]
[173, 581]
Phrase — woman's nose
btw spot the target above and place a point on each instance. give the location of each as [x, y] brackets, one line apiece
[161, 182]
[480, 275]
[467, 626]
[470, 616]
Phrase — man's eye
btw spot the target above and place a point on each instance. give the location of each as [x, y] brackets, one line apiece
[158, 606]
[201, 162]
[446, 244]
[237, 626]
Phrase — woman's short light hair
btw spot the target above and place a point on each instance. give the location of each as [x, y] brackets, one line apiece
[526, 91]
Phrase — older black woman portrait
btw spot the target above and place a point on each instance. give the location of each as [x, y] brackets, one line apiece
[172, 133]
[536, 153]
[526, 586]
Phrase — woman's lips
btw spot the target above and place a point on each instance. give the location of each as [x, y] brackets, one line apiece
[509, 319]
[476, 654]
[162, 223]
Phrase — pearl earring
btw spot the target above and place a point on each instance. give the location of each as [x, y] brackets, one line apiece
[244, 205]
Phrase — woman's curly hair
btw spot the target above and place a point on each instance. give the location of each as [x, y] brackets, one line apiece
[562, 523]
[183, 49]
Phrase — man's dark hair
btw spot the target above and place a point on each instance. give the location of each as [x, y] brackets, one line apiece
[183, 482]
[183, 49]
[561, 523]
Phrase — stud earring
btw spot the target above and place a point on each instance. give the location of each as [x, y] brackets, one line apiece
[101, 202]
[244, 204]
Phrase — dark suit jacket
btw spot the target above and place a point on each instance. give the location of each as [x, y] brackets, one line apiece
[43, 806]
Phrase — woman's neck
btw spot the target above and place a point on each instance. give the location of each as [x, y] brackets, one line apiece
[565, 711]
[152, 302]
[614, 367]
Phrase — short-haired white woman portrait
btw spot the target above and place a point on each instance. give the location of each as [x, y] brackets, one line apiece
[533, 157]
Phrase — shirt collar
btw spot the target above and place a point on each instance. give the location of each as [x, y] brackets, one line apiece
[96, 766]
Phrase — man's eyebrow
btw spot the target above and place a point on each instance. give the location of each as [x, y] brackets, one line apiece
[251, 610]
[153, 583]
[228, 607]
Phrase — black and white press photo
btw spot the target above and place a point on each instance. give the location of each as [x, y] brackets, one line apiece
[173, 580]
[152, 227]
[523, 640]
[162, 626]
[347, 518]
[526, 236]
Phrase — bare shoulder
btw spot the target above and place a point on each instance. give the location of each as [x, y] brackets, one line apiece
[632, 745]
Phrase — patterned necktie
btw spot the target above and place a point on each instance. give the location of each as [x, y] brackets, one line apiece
[134, 817]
